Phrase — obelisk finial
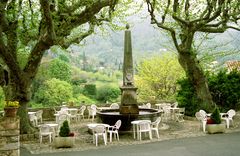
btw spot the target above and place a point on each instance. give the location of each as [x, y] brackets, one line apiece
[127, 26]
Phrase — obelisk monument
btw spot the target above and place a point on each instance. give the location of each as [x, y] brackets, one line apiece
[129, 97]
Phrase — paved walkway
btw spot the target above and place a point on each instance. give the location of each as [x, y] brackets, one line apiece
[210, 145]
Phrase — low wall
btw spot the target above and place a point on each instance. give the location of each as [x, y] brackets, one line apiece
[9, 136]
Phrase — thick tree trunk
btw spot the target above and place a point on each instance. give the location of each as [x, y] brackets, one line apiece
[19, 90]
[190, 64]
[25, 126]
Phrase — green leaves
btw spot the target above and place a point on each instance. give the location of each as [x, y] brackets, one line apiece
[157, 77]
[53, 92]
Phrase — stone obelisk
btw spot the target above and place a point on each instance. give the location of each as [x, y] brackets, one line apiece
[129, 96]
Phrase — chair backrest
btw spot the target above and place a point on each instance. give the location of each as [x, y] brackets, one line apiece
[199, 116]
[62, 118]
[231, 113]
[157, 121]
[118, 124]
[144, 125]
[148, 105]
[39, 114]
[64, 107]
[55, 110]
[99, 129]
[114, 106]
[82, 109]
[45, 129]
[203, 113]
[32, 117]
[175, 104]
[182, 110]
[92, 111]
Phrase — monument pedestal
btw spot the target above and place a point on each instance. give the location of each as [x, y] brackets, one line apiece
[129, 100]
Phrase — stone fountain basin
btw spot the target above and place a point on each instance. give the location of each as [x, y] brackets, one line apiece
[110, 117]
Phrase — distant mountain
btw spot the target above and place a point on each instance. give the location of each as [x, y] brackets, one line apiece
[147, 41]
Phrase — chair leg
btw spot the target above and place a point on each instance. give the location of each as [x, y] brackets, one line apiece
[204, 126]
[117, 136]
[40, 136]
[110, 134]
[150, 135]
[96, 139]
[227, 121]
[157, 133]
[105, 138]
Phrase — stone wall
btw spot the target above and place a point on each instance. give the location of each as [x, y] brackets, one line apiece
[9, 136]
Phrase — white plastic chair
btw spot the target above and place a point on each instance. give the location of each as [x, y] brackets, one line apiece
[99, 130]
[144, 126]
[180, 114]
[155, 125]
[203, 113]
[229, 117]
[81, 113]
[45, 130]
[114, 130]
[73, 114]
[33, 119]
[203, 120]
[92, 111]
[114, 106]
[166, 112]
[61, 119]
[39, 115]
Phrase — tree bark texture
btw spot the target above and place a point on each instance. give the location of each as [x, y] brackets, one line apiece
[196, 76]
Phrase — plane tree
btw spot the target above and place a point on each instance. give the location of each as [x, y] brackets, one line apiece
[183, 20]
[30, 27]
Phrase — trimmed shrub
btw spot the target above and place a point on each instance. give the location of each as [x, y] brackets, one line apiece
[215, 116]
[64, 130]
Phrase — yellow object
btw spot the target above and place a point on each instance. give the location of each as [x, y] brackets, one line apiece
[11, 104]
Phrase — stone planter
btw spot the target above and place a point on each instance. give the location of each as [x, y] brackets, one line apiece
[64, 142]
[216, 128]
[10, 111]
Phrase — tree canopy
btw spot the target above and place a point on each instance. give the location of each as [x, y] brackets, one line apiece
[31, 27]
[182, 20]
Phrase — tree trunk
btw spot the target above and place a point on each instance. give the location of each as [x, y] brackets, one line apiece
[19, 90]
[190, 64]
[25, 125]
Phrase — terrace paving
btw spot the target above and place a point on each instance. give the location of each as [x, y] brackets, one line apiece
[84, 142]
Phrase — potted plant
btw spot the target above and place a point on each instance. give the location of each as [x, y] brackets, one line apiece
[10, 108]
[214, 123]
[65, 138]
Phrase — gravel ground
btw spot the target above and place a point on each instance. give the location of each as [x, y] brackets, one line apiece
[167, 130]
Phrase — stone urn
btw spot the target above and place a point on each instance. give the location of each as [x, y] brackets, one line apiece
[64, 142]
[216, 128]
